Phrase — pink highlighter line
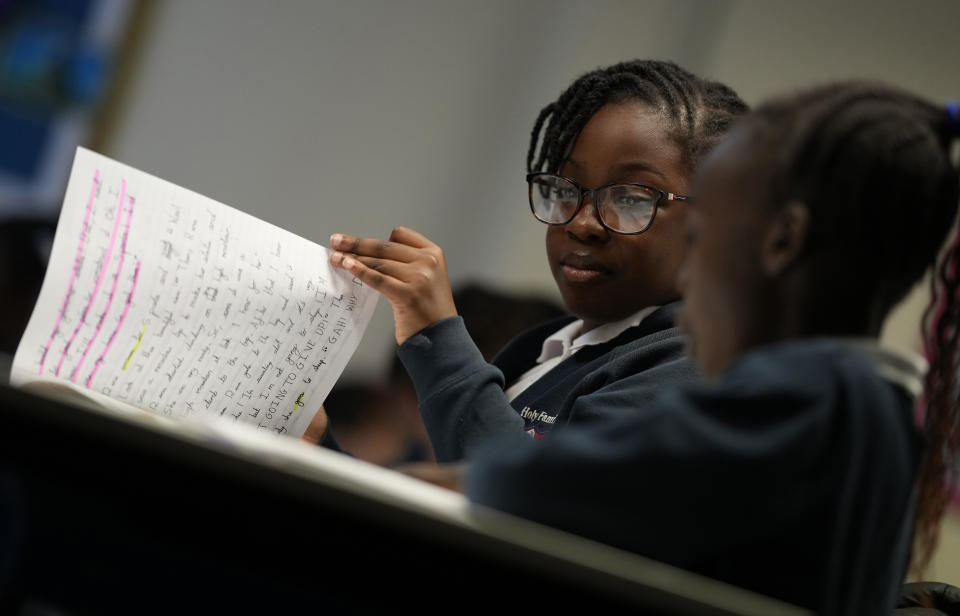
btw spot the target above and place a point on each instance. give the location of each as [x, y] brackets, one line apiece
[123, 317]
[103, 270]
[113, 292]
[76, 266]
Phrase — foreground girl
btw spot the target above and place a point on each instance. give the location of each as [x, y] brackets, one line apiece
[799, 472]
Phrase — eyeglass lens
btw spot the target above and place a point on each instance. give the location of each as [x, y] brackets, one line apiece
[623, 207]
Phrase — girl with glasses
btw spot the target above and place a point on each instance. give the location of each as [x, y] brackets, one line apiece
[610, 162]
[799, 471]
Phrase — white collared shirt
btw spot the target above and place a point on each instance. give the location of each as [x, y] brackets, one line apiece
[568, 341]
[897, 365]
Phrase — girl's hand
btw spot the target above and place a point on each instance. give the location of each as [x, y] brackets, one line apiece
[317, 428]
[449, 476]
[408, 269]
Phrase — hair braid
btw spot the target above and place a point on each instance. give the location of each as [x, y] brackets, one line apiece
[941, 421]
[699, 111]
[535, 134]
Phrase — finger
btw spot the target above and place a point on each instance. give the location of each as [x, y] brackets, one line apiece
[402, 272]
[317, 428]
[406, 235]
[389, 286]
[443, 475]
[371, 247]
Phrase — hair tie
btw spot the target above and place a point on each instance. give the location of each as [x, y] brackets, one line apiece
[953, 112]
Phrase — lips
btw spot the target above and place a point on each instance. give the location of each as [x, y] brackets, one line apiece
[582, 268]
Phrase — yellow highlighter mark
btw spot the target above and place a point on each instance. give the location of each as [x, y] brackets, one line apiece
[135, 347]
[299, 402]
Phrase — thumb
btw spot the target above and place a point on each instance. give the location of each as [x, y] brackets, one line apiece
[317, 428]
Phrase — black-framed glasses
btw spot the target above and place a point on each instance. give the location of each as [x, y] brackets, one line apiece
[622, 208]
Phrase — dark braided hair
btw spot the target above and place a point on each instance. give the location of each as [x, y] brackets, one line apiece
[873, 165]
[699, 111]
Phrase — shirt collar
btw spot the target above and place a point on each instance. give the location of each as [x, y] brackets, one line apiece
[899, 366]
[568, 340]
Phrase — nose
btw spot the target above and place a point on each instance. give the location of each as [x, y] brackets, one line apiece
[586, 225]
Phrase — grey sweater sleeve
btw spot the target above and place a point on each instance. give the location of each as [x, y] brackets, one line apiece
[460, 395]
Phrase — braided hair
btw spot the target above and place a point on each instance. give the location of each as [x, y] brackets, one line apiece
[873, 165]
[699, 111]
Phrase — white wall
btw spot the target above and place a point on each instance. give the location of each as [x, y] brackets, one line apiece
[358, 116]
[766, 48]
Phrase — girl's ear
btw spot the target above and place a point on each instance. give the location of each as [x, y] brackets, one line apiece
[784, 238]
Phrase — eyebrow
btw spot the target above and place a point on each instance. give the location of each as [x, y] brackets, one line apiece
[627, 167]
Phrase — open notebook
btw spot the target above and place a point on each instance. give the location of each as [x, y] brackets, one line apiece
[159, 299]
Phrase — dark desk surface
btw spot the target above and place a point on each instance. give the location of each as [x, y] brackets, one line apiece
[103, 512]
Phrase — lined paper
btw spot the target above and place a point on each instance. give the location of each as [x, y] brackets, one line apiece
[167, 300]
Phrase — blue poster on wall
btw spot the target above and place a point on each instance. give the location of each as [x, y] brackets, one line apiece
[56, 59]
